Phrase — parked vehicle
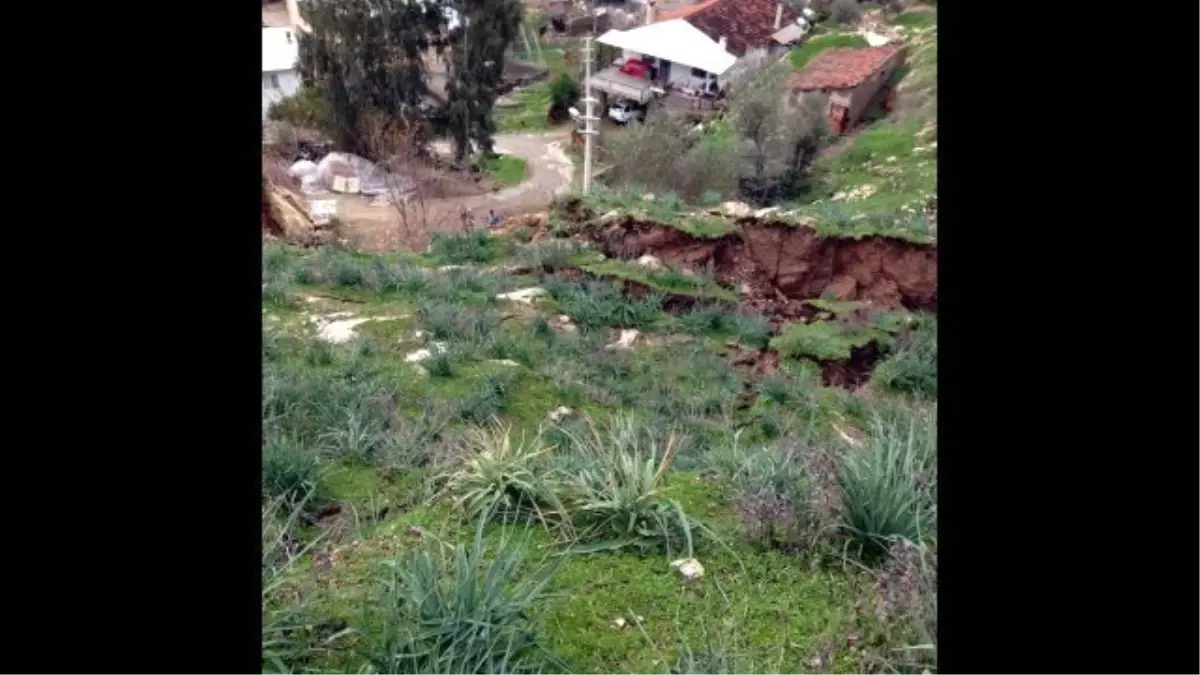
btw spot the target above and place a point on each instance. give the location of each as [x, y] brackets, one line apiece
[626, 111]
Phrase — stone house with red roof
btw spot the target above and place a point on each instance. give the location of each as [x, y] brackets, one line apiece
[849, 77]
[751, 30]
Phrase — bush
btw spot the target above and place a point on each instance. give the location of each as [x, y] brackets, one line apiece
[549, 255]
[913, 366]
[292, 473]
[307, 108]
[889, 488]
[504, 478]
[564, 91]
[845, 11]
[476, 246]
[616, 500]
[599, 304]
[461, 612]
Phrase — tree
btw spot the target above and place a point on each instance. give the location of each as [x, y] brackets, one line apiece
[475, 70]
[783, 136]
[370, 57]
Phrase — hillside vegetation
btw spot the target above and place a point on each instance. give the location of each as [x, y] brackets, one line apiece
[420, 431]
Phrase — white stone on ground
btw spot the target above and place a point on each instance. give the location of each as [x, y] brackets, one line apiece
[425, 353]
[625, 340]
[524, 295]
[650, 261]
[560, 413]
[689, 568]
[339, 327]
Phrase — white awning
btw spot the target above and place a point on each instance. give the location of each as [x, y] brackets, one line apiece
[676, 41]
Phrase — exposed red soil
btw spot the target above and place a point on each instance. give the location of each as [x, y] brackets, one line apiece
[854, 371]
[776, 264]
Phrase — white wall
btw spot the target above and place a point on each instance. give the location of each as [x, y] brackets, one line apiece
[277, 86]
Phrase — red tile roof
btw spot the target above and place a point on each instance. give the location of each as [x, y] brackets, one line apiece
[685, 11]
[841, 67]
[745, 24]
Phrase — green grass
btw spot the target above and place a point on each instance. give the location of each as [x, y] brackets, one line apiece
[507, 169]
[880, 180]
[802, 55]
[824, 340]
[434, 562]
[666, 281]
[532, 103]
[916, 19]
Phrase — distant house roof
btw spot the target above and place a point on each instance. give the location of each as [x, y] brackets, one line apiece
[745, 24]
[840, 68]
[280, 49]
[677, 41]
[685, 11]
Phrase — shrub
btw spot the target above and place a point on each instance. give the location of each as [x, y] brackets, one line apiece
[549, 255]
[889, 487]
[449, 322]
[845, 11]
[461, 612]
[913, 366]
[786, 494]
[505, 478]
[616, 500]
[306, 108]
[599, 304]
[292, 473]
[476, 246]
[487, 401]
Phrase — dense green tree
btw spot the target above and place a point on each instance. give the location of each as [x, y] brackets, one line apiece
[370, 57]
[475, 70]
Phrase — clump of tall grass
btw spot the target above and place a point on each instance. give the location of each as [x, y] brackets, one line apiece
[466, 609]
[889, 486]
[549, 255]
[292, 472]
[476, 246]
[912, 368]
[286, 628]
[616, 499]
[785, 493]
[505, 477]
[446, 321]
[599, 304]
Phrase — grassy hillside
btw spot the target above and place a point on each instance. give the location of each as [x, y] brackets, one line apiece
[464, 483]
[883, 177]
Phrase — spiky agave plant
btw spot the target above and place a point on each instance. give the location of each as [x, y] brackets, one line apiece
[465, 609]
[889, 487]
[616, 500]
[506, 478]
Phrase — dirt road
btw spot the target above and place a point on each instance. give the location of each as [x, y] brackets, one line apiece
[380, 228]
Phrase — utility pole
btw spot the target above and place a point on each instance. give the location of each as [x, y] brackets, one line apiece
[589, 119]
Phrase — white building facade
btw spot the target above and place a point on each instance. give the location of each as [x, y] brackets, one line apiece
[280, 74]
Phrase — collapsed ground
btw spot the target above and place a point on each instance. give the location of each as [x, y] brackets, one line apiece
[378, 370]
[620, 383]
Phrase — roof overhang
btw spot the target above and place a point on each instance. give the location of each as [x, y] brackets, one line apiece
[676, 41]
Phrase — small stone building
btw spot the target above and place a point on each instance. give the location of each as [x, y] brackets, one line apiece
[850, 77]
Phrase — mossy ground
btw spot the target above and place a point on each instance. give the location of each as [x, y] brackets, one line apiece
[756, 610]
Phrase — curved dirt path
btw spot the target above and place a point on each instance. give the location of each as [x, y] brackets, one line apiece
[550, 170]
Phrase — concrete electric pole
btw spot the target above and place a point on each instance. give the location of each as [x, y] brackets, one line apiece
[589, 118]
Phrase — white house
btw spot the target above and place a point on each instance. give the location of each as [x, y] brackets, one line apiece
[280, 76]
[686, 64]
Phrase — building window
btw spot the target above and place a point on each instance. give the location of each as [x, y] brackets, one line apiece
[273, 81]
[696, 72]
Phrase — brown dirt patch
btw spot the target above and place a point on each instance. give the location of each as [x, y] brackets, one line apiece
[852, 372]
[776, 265]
